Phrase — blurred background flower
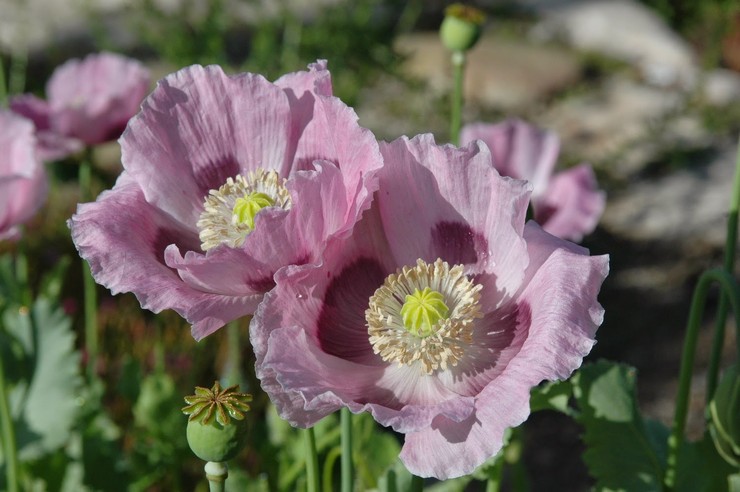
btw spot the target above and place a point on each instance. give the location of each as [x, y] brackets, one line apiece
[567, 204]
[88, 102]
[23, 181]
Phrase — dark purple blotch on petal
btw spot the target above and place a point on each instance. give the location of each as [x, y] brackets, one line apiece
[341, 326]
[212, 175]
[457, 243]
[163, 238]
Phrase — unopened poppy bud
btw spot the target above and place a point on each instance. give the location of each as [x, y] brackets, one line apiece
[216, 428]
[461, 27]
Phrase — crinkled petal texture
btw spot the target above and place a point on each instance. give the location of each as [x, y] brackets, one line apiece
[568, 204]
[23, 181]
[89, 102]
[538, 310]
[199, 128]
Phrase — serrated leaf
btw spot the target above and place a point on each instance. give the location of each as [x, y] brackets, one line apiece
[44, 408]
[621, 449]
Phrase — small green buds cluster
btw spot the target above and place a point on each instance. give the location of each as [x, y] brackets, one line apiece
[216, 426]
[724, 413]
[461, 27]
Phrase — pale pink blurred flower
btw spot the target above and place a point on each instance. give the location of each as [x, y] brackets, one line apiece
[514, 306]
[226, 180]
[567, 204]
[23, 182]
[88, 102]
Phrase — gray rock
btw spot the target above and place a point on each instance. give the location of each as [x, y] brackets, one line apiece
[623, 29]
[687, 208]
[721, 87]
[501, 73]
[624, 124]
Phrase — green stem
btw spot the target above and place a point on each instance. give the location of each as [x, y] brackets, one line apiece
[159, 360]
[216, 472]
[458, 71]
[328, 474]
[346, 425]
[21, 273]
[729, 266]
[17, 79]
[731, 291]
[312, 461]
[235, 374]
[495, 475]
[8, 437]
[417, 484]
[89, 288]
[3, 87]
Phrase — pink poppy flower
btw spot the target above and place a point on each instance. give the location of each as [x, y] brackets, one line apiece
[23, 182]
[226, 180]
[89, 102]
[438, 314]
[568, 204]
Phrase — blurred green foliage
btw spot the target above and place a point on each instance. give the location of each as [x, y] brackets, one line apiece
[704, 22]
[355, 36]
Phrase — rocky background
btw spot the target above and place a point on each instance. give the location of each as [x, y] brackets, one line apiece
[653, 105]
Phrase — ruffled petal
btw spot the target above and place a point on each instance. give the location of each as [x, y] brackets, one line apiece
[572, 204]
[316, 80]
[124, 239]
[204, 127]
[329, 132]
[519, 150]
[561, 287]
[449, 449]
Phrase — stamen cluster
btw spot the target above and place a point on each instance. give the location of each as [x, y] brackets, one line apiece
[442, 346]
[225, 219]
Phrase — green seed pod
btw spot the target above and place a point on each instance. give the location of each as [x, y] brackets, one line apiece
[216, 428]
[461, 27]
[724, 414]
[216, 442]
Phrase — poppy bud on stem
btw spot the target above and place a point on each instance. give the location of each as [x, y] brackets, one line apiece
[460, 30]
[216, 429]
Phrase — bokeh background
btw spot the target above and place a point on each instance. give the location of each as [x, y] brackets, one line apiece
[647, 92]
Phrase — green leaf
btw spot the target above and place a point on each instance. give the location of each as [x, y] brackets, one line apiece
[44, 404]
[552, 396]
[623, 452]
[701, 455]
[52, 281]
[375, 450]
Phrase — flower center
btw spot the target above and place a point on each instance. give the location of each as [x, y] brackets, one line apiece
[424, 315]
[247, 207]
[422, 310]
[229, 212]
